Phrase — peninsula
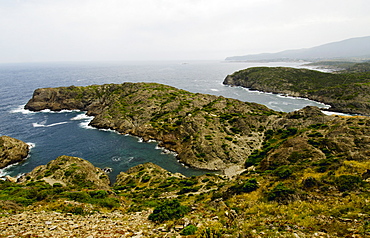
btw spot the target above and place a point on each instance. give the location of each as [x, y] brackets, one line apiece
[346, 91]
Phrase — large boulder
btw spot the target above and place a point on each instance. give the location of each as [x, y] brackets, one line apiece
[12, 151]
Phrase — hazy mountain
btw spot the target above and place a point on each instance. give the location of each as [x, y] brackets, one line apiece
[355, 47]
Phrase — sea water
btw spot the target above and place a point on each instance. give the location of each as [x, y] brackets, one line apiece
[53, 134]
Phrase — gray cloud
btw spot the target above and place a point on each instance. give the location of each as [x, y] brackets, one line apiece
[66, 30]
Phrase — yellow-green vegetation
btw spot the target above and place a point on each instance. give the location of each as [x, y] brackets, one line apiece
[346, 91]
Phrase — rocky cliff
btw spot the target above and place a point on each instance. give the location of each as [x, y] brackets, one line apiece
[12, 151]
[346, 92]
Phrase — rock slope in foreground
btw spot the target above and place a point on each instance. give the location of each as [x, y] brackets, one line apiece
[12, 151]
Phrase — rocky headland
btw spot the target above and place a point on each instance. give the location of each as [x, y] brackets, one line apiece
[206, 131]
[347, 91]
[12, 151]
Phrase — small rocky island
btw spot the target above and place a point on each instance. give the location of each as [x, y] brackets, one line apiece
[12, 151]
[346, 91]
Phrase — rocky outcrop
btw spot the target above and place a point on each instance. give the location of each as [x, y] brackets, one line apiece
[346, 93]
[70, 171]
[12, 151]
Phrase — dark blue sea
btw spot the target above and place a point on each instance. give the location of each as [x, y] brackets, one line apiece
[67, 133]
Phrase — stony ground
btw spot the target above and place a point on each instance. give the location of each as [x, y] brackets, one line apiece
[54, 224]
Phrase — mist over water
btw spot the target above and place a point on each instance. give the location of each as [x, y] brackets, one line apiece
[67, 132]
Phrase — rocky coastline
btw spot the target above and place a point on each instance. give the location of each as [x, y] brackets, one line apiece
[206, 131]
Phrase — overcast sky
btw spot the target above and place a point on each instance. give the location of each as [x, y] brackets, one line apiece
[100, 30]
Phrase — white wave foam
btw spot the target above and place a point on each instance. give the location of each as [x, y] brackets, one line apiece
[31, 145]
[50, 125]
[335, 113]
[61, 111]
[81, 117]
[3, 173]
[47, 111]
[165, 151]
[20, 109]
[85, 125]
[116, 158]
[214, 90]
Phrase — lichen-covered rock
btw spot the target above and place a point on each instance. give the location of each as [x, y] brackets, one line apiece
[12, 151]
[70, 171]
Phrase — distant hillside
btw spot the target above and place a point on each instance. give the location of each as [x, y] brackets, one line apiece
[351, 48]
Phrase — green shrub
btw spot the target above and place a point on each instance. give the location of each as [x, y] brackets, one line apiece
[146, 178]
[78, 196]
[310, 182]
[188, 190]
[347, 182]
[188, 182]
[98, 194]
[283, 172]
[315, 134]
[169, 210]
[189, 230]
[246, 187]
[289, 132]
[280, 193]
[57, 185]
[108, 202]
